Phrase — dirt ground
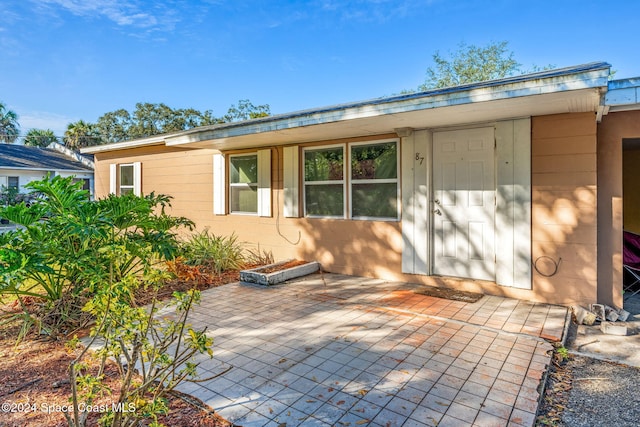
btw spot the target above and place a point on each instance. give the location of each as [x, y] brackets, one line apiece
[34, 380]
[587, 392]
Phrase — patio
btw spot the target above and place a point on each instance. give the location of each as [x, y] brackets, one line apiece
[335, 350]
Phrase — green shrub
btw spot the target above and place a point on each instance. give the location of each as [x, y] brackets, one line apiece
[218, 253]
[152, 355]
[61, 256]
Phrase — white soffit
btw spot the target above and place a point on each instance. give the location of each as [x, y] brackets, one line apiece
[583, 100]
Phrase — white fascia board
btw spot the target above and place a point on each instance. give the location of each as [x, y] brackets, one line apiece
[156, 140]
[466, 95]
[623, 95]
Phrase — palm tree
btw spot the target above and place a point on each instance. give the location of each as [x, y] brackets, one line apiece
[8, 125]
[81, 134]
[40, 137]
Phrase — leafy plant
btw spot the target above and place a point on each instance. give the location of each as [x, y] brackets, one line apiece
[61, 254]
[152, 355]
[562, 354]
[84, 261]
[259, 256]
[189, 273]
[217, 253]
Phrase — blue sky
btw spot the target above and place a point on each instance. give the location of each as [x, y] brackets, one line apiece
[65, 60]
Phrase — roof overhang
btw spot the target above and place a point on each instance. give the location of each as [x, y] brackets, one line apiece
[566, 90]
[623, 95]
[36, 169]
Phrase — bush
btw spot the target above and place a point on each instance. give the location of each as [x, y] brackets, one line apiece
[85, 260]
[216, 253]
[62, 256]
[152, 356]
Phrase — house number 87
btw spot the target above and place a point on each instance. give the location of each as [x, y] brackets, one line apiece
[419, 157]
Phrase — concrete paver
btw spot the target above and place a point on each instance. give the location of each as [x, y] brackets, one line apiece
[331, 350]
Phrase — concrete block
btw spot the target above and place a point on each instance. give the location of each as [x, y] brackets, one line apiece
[580, 313]
[259, 277]
[623, 315]
[589, 319]
[598, 310]
[613, 329]
[611, 314]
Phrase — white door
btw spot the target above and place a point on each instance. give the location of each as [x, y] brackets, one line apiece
[464, 203]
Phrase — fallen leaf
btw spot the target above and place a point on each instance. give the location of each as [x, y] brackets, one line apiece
[361, 422]
[340, 402]
[362, 392]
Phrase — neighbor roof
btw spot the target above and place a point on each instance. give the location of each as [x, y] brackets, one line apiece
[14, 156]
[572, 89]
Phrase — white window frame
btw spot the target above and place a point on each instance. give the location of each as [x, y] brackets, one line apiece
[122, 186]
[222, 183]
[329, 182]
[115, 186]
[395, 180]
[244, 185]
[347, 182]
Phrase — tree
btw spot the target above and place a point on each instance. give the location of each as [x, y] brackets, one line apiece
[470, 64]
[9, 127]
[153, 119]
[245, 110]
[114, 126]
[81, 134]
[40, 137]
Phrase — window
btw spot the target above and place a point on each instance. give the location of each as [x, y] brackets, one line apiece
[243, 184]
[324, 183]
[374, 180]
[125, 178]
[86, 183]
[371, 182]
[13, 182]
[248, 184]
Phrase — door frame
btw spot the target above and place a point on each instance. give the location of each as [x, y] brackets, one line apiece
[513, 200]
[485, 267]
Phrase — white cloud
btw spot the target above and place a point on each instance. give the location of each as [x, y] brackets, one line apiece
[42, 120]
[125, 14]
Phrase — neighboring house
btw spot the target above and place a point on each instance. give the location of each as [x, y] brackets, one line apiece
[509, 187]
[21, 164]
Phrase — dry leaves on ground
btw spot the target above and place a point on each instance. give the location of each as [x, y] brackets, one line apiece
[35, 388]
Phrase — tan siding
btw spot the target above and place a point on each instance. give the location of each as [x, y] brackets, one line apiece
[565, 163]
[615, 127]
[563, 196]
[564, 145]
[564, 126]
[564, 209]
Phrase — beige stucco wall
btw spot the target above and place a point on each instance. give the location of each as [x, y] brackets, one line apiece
[614, 128]
[564, 214]
[564, 207]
